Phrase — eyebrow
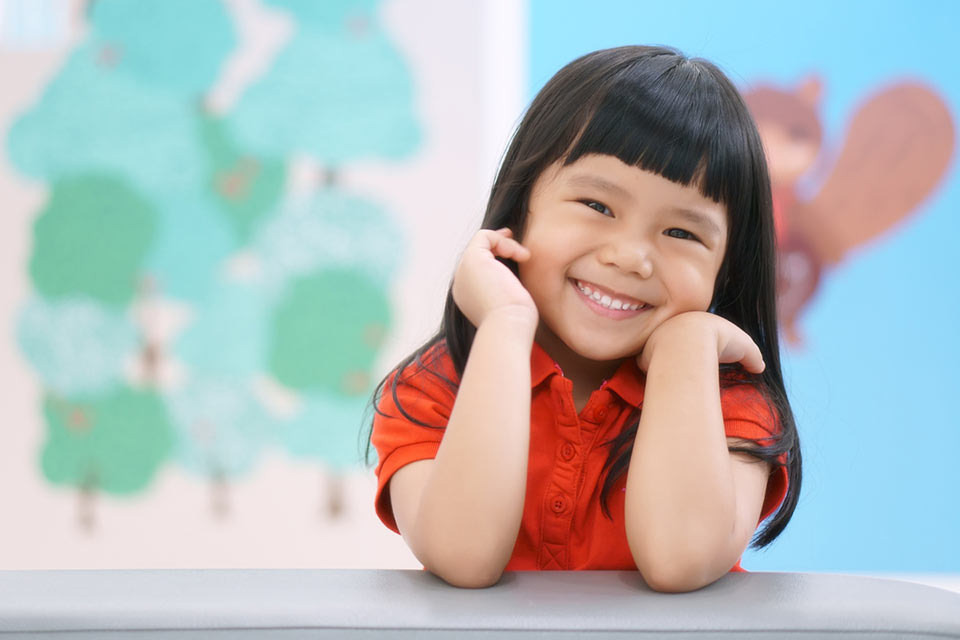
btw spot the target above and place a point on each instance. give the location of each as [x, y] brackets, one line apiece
[698, 218]
[588, 180]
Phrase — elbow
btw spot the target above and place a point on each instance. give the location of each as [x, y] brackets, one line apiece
[466, 574]
[678, 559]
[666, 577]
[472, 579]
[470, 562]
[673, 569]
[469, 566]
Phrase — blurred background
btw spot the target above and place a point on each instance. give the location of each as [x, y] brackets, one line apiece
[224, 220]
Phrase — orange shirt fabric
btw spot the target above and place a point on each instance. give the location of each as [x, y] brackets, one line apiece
[563, 525]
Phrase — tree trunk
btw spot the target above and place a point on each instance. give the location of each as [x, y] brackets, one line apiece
[86, 513]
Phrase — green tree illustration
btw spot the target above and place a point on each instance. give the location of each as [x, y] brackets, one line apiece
[169, 237]
[246, 187]
[90, 239]
[113, 442]
[328, 330]
[338, 92]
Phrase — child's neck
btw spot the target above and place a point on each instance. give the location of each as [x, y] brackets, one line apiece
[586, 375]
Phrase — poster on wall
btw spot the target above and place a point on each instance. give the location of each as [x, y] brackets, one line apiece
[214, 259]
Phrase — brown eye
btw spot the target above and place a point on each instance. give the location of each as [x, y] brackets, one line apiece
[681, 234]
[598, 206]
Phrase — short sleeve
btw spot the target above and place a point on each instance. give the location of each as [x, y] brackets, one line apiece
[747, 415]
[423, 394]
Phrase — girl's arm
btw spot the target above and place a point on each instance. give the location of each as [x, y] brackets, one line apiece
[460, 512]
[691, 506]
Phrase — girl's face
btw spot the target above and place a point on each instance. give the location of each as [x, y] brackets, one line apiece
[615, 251]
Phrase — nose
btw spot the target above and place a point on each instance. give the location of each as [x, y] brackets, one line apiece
[629, 256]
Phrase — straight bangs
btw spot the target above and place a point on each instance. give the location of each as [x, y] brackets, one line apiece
[680, 119]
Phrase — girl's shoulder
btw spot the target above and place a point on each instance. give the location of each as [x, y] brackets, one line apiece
[745, 398]
[420, 390]
[430, 366]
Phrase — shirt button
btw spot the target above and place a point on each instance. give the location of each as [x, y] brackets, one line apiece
[567, 451]
[600, 413]
[558, 503]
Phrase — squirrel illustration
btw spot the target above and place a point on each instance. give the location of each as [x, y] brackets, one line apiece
[897, 148]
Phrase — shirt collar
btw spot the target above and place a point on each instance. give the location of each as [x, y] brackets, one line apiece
[627, 381]
[542, 366]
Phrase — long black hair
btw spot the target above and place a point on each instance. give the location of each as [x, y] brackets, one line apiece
[682, 119]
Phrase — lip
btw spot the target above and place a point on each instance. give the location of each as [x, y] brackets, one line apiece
[599, 309]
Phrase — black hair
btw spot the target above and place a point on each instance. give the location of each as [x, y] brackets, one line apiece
[680, 118]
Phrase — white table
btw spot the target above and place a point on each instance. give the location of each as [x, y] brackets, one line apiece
[162, 605]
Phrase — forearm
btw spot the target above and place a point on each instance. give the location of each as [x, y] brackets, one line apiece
[680, 497]
[472, 502]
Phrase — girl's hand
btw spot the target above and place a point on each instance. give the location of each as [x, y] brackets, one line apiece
[687, 329]
[482, 285]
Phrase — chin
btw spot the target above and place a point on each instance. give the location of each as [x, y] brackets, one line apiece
[604, 353]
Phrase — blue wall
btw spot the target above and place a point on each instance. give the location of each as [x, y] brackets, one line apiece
[875, 386]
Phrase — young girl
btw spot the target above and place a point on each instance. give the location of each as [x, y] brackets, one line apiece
[605, 389]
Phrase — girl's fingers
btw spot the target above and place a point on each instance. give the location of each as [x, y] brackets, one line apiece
[735, 345]
[513, 250]
[752, 359]
[488, 238]
[503, 245]
[753, 362]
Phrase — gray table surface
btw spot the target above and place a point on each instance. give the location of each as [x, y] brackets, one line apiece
[408, 604]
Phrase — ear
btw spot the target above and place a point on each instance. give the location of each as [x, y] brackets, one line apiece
[809, 90]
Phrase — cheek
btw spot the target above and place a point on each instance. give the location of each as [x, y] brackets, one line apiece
[546, 262]
[530, 274]
[693, 288]
[537, 274]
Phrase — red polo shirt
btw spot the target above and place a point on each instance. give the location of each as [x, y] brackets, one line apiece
[563, 526]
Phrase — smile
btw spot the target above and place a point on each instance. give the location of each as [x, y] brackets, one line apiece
[606, 304]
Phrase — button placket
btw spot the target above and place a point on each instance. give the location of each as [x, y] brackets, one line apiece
[559, 503]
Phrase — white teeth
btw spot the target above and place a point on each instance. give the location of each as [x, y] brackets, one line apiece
[606, 301]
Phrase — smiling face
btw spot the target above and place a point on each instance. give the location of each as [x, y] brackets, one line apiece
[616, 251]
